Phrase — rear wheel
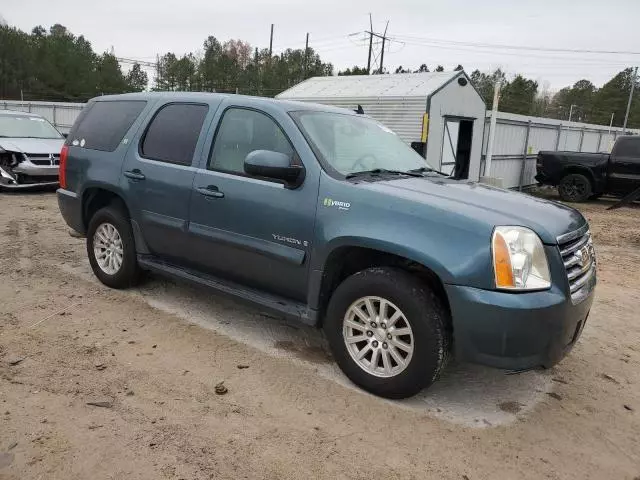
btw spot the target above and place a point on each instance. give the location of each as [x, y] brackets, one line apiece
[388, 332]
[575, 187]
[111, 248]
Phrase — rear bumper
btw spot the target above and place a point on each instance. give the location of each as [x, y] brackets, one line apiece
[27, 186]
[71, 209]
[515, 331]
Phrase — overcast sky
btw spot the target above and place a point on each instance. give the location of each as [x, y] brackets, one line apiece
[422, 31]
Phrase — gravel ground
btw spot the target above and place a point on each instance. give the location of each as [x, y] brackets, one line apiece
[104, 384]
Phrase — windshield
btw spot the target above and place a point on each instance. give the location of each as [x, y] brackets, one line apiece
[352, 144]
[16, 126]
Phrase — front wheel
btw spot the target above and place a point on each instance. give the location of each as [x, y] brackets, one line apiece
[575, 187]
[388, 332]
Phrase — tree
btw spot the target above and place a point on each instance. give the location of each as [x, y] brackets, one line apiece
[136, 79]
[439, 68]
[458, 68]
[485, 84]
[518, 96]
[402, 70]
[423, 69]
[353, 71]
[109, 79]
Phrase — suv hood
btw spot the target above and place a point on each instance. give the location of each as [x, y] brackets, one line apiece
[490, 205]
[32, 145]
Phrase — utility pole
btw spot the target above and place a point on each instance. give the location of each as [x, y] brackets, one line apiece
[633, 85]
[571, 111]
[370, 44]
[492, 128]
[271, 42]
[306, 56]
[611, 122]
[384, 39]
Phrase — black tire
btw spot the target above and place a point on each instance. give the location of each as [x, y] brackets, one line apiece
[575, 187]
[129, 272]
[424, 313]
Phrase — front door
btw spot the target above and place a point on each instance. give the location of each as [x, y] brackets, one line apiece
[624, 167]
[251, 230]
[158, 175]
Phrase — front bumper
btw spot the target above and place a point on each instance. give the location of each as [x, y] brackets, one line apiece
[515, 331]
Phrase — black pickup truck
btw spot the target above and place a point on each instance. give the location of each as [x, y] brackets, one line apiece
[580, 176]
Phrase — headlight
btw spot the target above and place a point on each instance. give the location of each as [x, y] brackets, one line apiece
[519, 260]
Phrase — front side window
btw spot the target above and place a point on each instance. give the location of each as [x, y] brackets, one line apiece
[173, 133]
[351, 144]
[241, 132]
[19, 126]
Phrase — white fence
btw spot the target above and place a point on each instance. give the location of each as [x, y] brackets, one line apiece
[519, 138]
[61, 115]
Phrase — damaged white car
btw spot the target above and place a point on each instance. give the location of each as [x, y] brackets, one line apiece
[29, 151]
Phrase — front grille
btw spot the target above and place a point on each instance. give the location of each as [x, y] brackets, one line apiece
[578, 255]
[44, 159]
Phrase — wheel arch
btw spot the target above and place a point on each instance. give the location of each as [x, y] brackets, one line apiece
[347, 259]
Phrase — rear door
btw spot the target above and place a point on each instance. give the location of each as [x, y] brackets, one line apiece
[624, 166]
[158, 174]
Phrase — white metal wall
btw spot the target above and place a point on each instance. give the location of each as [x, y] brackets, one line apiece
[61, 115]
[455, 100]
[402, 115]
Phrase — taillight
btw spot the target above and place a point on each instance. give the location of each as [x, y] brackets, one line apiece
[62, 171]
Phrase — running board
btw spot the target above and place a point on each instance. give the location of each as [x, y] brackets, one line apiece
[273, 303]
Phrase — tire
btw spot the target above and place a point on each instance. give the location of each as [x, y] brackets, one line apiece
[128, 272]
[423, 313]
[575, 187]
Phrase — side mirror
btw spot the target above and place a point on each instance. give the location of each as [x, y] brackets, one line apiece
[268, 164]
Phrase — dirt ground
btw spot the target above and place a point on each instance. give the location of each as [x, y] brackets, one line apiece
[150, 359]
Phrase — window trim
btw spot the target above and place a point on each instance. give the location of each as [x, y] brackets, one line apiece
[153, 117]
[243, 174]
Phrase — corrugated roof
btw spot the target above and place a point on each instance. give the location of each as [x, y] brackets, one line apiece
[395, 85]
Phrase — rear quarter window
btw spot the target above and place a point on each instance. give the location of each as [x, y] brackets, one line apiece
[627, 147]
[103, 125]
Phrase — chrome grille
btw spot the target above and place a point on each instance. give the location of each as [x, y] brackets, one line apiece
[44, 159]
[578, 255]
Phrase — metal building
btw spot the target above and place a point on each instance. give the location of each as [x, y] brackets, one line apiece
[441, 114]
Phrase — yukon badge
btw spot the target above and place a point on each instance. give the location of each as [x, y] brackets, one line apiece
[293, 241]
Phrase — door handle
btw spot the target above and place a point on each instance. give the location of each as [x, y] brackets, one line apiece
[210, 191]
[134, 174]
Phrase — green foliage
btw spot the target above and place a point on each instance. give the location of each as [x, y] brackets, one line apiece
[137, 79]
[56, 65]
[354, 71]
[518, 96]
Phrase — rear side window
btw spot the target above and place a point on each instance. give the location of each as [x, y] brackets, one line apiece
[103, 125]
[173, 133]
[628, 147]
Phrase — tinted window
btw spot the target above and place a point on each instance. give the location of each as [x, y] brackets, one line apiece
[241, 132]
[173, 133]
[103, 125]
[628, 147]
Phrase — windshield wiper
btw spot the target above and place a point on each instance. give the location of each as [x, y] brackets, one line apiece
[383, 171]
[429, 170]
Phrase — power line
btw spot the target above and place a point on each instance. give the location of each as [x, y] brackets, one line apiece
[520, 47]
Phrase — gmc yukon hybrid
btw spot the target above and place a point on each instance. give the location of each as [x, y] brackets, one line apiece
[326, 216]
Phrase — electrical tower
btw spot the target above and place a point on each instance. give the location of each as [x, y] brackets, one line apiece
[380, 54]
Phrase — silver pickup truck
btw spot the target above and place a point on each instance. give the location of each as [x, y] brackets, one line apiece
[29, 151]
